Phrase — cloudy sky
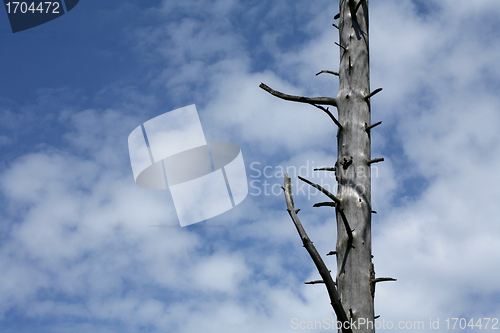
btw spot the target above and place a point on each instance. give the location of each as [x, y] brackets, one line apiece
[84, 249]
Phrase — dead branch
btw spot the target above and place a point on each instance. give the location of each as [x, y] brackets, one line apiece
[329, 114]
[324, 169]
[321, 189]
[376, 91]
[318, 261]
[374, 281]
[346, 224]
[314, 282]
[357, 6]
[345, 49]
[328, 72]
[381, 279]
[323, 204]
[368, 128]
[309, 100]
[375, 160]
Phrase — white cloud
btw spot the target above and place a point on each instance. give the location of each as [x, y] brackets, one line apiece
[219, 273]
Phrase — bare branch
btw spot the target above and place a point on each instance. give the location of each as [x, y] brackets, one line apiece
[346, 225]
[368, 128]
[381, 279]
[375, 160]
[318, 261]
[329, 114]
[336, 17]
[314, 282]
[316, 186]
[340, 46]
[357, 6]
[323, 204]
[331, 253]
[324, 169]
[336, 26]
[327, 72]
[376, 91]
[309, 100]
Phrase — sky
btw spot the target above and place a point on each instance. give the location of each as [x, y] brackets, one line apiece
[84, 249]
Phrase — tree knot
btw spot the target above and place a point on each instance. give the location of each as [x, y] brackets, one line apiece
[346, 162]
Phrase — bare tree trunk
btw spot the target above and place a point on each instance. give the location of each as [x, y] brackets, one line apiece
[352, 293]
[353, 166]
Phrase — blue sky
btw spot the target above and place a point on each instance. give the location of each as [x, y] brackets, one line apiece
[83, 249]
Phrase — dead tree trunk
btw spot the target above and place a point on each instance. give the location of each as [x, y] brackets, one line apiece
[353, 166]
[353, 291]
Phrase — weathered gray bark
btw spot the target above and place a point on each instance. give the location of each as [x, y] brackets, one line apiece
[355, 279]
[353, 168]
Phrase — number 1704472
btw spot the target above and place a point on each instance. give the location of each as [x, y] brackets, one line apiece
[46, 7]
[481, 323]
